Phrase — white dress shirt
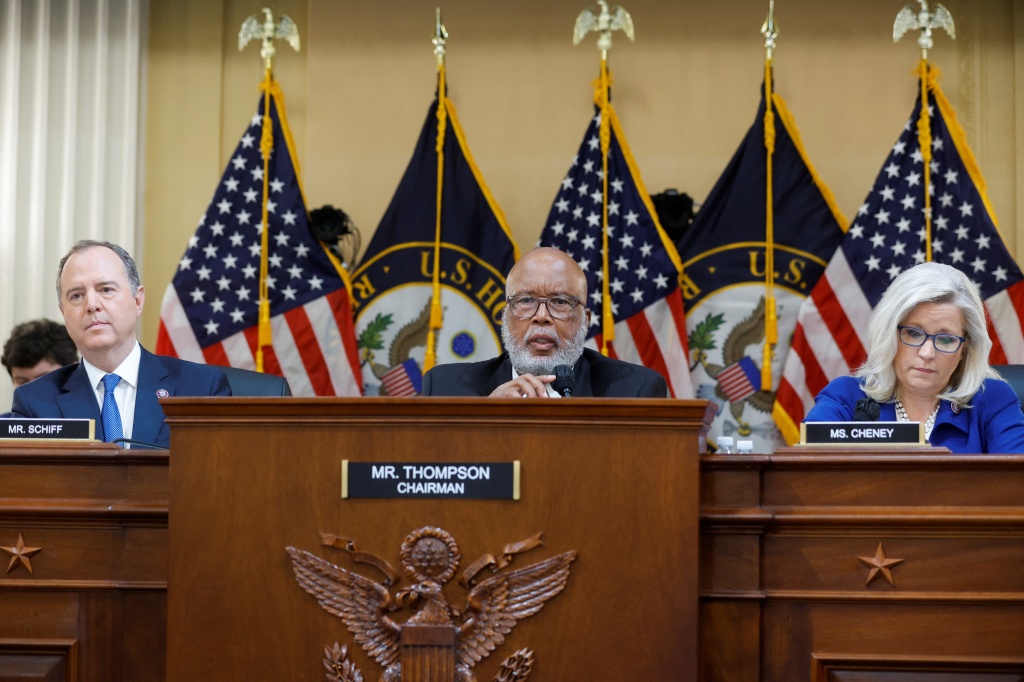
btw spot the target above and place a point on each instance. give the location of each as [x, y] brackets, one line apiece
[124, 392]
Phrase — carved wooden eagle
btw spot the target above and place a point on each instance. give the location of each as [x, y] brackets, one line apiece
[493, 607]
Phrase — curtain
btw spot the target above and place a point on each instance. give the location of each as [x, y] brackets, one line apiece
[71, 89]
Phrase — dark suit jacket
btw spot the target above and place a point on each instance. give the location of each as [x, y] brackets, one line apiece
[66, 392]
[594, 374]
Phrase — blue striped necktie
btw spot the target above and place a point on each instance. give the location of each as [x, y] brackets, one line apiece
[110, 415]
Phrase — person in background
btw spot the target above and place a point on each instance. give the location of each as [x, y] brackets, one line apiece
[118, 383]
[928, 362]
[544, 325]
[36, 348]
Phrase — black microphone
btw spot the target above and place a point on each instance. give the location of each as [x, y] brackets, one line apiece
[141, 443]
[564, 381]
[866, 410]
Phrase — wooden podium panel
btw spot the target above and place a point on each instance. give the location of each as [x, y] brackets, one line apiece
[859, 565]
[94, 605]
[616, 481]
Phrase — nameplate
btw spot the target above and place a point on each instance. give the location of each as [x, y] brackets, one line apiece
[430, 480]
[862, 433]
[48, 429]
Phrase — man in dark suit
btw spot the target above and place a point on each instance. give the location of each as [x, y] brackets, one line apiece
[118, 383]
[544, 325]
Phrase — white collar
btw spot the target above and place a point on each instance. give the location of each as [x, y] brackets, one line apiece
[128, 370]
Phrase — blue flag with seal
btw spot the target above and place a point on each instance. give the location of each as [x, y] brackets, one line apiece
[431, 286]
[749, 260]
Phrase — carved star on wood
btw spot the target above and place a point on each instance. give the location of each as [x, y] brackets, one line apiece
[20, 554]
[879, 565]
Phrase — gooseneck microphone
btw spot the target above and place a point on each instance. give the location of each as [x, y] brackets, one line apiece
[141, 444]
[564, 381]
[866, 410]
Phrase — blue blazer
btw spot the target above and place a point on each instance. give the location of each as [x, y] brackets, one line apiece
[594, 376]
[992, 424]
[66, 392]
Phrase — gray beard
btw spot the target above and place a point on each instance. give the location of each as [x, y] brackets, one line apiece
[567, 351]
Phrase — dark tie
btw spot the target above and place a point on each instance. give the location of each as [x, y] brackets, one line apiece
[110, 415]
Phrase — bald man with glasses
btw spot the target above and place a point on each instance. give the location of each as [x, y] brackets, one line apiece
[544, 327]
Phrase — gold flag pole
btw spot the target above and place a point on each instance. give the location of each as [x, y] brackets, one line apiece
[771, 317]
[603, 23]
[924, 20]
[436, 311]
[266, 31]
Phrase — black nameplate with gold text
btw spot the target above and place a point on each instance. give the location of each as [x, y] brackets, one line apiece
[861, 433]
[430, 480]
[47, 429]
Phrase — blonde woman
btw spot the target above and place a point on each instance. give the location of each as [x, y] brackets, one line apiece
[928, 362]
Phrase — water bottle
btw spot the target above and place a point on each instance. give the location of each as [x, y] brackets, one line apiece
[745, 447]
[725, 445]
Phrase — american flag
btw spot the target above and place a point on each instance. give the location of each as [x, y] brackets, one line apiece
[887, 237]
[650, 326]
[740, 380]
[210, 310]
[403, 380]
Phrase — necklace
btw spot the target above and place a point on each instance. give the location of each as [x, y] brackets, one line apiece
[901, 414]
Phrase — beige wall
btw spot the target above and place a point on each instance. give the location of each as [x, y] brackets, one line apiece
[686, 92]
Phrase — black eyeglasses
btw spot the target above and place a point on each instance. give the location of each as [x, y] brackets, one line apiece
[944, 343]
[525, 306]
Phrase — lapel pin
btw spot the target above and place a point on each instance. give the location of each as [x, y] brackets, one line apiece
[955, 408]
[162, 393]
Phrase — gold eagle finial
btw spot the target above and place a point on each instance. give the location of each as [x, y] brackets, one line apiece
[603, 22]
[439, 39]
[769, 30]
[925, 20]
[267, 31]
